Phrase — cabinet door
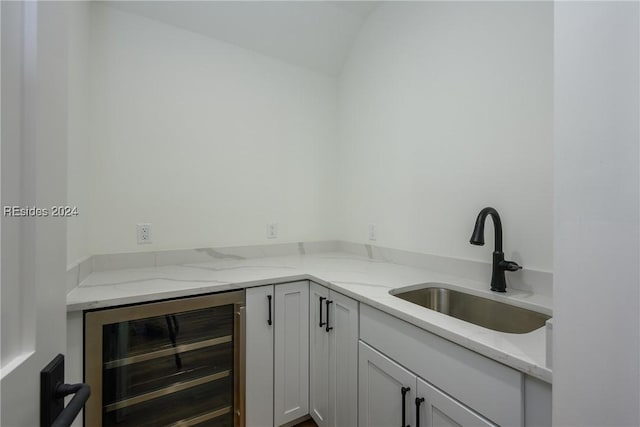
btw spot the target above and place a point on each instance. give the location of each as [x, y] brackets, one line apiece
[291, 381]
[440, 410]
[380, 385]
[259, 356]
[319, 355]
[343, 361]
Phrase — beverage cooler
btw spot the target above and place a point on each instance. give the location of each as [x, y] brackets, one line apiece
[169, 363]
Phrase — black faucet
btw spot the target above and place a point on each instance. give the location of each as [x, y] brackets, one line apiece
[498, 282]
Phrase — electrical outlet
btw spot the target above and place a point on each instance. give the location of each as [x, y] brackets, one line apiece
[373, 233]
[272, 230]
[144, 233]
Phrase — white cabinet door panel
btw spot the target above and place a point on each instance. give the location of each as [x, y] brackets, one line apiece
[380, 400]
[291, 380]
[319, 356]
[440, 410]
[259, 357]
[343, 361]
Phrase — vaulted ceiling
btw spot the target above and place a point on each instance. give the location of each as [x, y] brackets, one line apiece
[313, 34]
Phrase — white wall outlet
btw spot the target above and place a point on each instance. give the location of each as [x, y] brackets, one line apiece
[144, 233]
[373, 233]
[272, 230]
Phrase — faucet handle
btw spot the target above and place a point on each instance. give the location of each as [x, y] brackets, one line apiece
[509, 266]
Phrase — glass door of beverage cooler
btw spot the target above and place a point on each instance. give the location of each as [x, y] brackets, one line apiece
[173, 363]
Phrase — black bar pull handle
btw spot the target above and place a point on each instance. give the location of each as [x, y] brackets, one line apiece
[82, 392]
[321, 324]
[419, 401]
[53, 390]
[269, 322]
[404, 391]
[328, 328]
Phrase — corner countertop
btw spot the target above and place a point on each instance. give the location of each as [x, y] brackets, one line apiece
[364, 279]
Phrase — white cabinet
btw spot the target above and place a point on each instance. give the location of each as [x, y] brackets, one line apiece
[343, 361]
[277, 355]
[291, 361]
[491, 389]
[318, 356]
[259, 356]
[391, 395]
[333, 370]
[386, 391]
[439, 410]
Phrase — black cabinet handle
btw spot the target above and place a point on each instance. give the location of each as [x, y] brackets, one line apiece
[419, 400]
[269, 322]
[404, 391]
[328, 328]
[321, 322]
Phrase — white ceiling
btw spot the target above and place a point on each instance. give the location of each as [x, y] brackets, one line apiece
[313, 34]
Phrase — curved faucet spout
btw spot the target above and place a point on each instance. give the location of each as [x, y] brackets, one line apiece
[477, 238]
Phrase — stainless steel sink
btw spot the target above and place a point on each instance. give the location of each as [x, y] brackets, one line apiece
[477, 310]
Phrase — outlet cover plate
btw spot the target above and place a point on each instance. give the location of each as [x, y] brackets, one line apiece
[272, 230]
[144, 233]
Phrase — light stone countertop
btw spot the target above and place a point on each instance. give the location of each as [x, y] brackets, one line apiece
[364, 279]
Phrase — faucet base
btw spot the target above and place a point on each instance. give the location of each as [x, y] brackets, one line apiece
[498, 281]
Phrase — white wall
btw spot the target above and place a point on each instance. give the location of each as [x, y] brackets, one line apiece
[78, 171]
[596, 372]
[440, 115]
[207, 141]
[446, 108]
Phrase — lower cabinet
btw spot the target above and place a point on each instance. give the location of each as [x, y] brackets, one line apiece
[318, 355]
[259, 356]
[490, 389]
[386, 391]
[291, 361]
[277, 355]
[391, 395]
[333, 358]
[436, 409]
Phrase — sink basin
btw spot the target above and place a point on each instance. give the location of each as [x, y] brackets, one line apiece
[477, 310]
